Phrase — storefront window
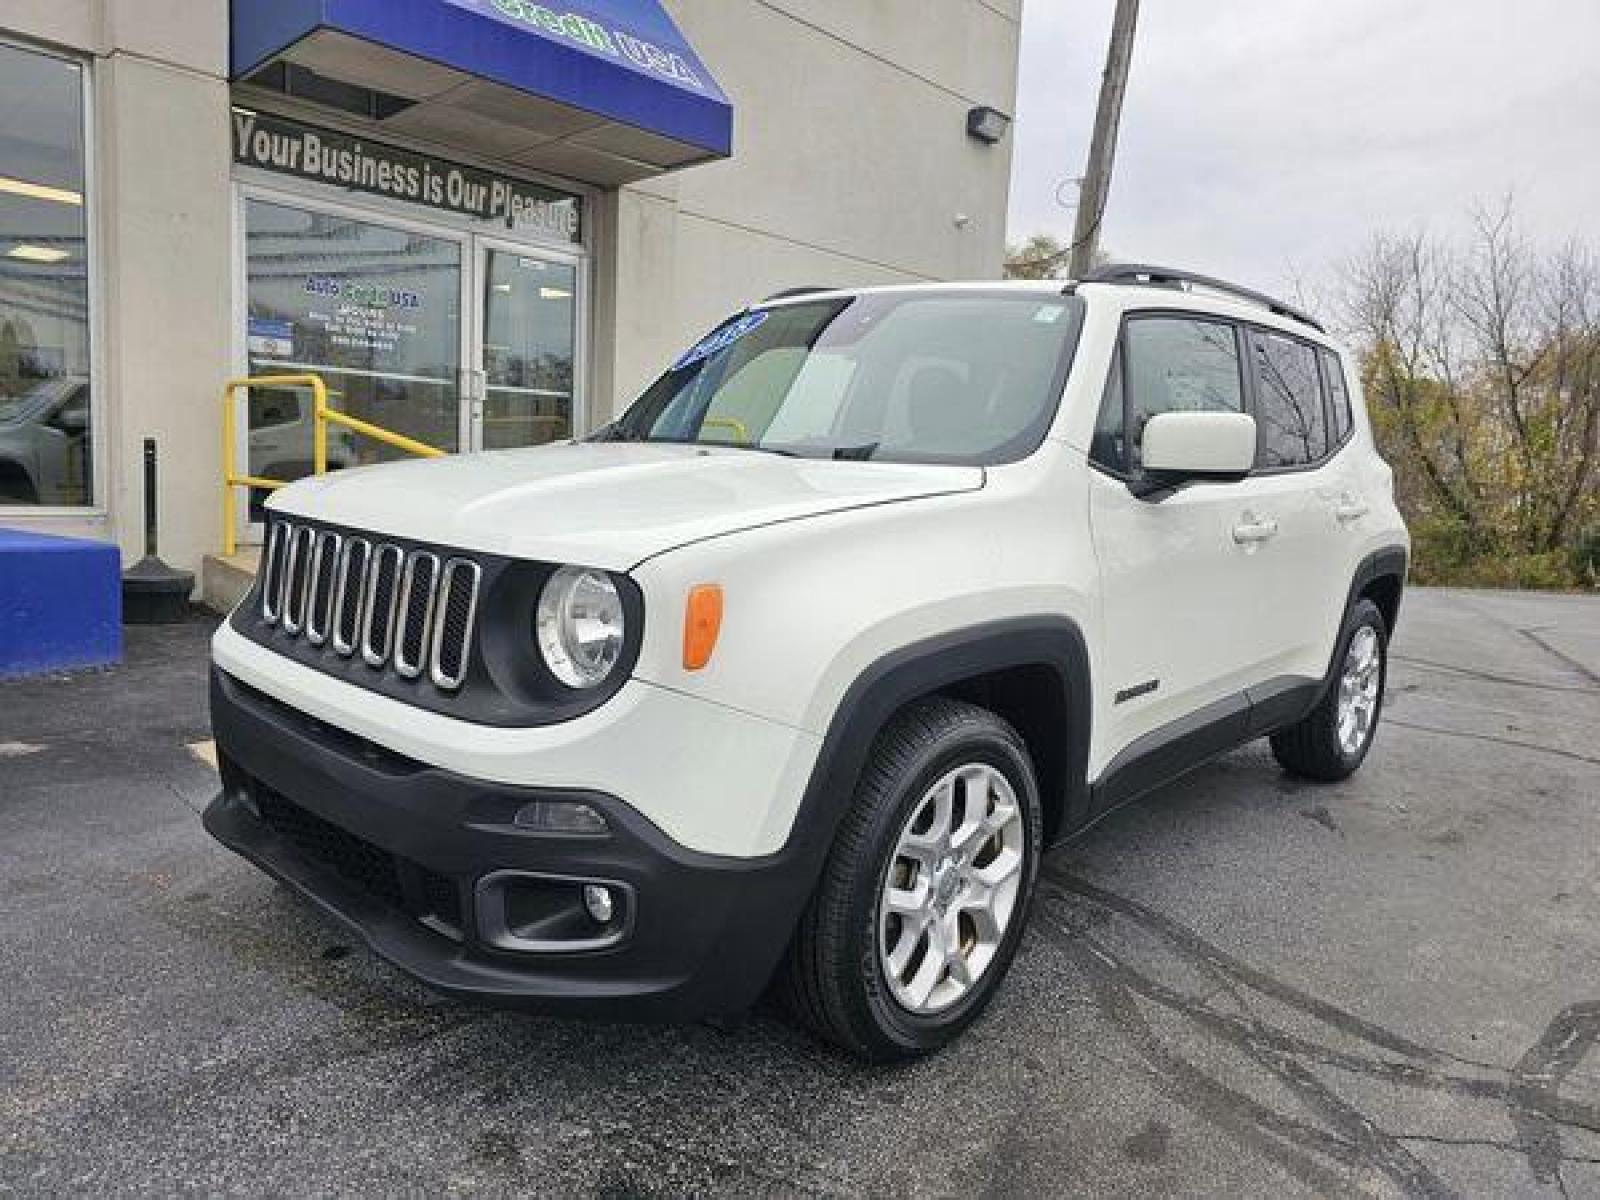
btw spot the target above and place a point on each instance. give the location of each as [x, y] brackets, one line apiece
[45, 426]
[375, 310]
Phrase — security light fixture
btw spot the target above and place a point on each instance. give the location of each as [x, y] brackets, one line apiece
[987, 125]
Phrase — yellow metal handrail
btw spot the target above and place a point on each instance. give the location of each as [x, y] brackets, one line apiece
[322, 415]
[733, 423]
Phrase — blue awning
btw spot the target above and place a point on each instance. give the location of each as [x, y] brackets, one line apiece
[611, 85]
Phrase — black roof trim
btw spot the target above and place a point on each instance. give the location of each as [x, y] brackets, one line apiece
[1173, 277]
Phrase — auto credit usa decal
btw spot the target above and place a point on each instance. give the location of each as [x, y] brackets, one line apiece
[723, 338]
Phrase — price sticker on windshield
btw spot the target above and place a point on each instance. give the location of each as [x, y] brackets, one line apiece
[723, 338]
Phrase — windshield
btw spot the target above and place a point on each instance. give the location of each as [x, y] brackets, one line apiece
[934, 377]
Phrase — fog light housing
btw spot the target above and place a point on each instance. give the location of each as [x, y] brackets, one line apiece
[561, 818]
[523, 912]
[599, 902]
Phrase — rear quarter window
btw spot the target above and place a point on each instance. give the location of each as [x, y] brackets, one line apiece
[1338, 396]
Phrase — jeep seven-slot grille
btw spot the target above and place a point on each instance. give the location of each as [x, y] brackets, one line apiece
[411, 609]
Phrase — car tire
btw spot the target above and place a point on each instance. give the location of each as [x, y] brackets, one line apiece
[16, 485]
[1333, 740]
[920, 886]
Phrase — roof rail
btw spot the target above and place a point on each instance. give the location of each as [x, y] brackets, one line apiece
[1146, 275]
[791, 293]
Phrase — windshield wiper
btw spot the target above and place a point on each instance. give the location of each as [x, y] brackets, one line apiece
[622, 435]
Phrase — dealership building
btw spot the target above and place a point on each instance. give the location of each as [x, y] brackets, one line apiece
[482, 223]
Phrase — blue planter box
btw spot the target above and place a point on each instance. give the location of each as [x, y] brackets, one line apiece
[60, 604]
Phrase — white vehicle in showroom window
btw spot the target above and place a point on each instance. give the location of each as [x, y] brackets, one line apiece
[787, 677]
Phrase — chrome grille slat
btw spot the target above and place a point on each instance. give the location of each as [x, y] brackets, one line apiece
[417, 589]
[272, 573]
[319, 604]
[414, 611]
[296, 581]
[352, 585]
[378, 606]
[457, 609]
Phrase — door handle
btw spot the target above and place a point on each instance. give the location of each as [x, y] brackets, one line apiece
[1349, 508]
[1250, 530]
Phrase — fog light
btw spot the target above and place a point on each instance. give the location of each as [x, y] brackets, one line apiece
[598, 901]
[561, 817]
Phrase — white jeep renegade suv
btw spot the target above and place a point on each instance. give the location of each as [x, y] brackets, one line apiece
[793, 671]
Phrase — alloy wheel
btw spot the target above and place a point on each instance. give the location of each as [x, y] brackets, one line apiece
[1359, 685]
[952, 888]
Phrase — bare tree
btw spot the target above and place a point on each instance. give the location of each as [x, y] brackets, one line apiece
[1482, 368]
[1567, 316]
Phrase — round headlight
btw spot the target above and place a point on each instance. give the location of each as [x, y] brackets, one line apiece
[579, 626]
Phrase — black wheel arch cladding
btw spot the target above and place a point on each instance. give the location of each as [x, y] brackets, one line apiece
[943, 664]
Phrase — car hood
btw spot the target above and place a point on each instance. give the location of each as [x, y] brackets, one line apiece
[603, 504]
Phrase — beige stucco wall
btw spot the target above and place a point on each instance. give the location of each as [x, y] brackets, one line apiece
[163, 253]
[851, 165]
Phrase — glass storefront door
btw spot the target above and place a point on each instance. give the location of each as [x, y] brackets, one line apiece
[457, 340]
[528, 335]
[373, 309]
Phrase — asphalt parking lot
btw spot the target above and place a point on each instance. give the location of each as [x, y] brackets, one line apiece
[1239, 985]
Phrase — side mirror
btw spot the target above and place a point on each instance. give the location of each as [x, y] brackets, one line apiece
[72, 421]
[1186, 447]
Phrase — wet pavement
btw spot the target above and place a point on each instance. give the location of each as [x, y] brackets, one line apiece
[1242, 984]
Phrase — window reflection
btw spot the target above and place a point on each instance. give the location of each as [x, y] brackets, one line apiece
[374, 310]
[1291, 424]
[530, 313]
[1178, 364]
[45, 413]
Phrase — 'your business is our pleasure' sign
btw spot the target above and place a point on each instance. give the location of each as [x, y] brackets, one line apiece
[274, 143]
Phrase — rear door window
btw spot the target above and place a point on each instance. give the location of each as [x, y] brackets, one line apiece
[1291, 423]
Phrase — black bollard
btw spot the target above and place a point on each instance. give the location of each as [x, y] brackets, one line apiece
[152, 592]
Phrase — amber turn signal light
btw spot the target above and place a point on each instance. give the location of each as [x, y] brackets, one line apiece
[702, 622]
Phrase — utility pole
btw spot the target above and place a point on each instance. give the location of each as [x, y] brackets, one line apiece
[1103, 148]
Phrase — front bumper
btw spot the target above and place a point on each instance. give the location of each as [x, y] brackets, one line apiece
[399, 851]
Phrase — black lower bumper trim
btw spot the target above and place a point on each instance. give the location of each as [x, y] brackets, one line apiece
[394, 850]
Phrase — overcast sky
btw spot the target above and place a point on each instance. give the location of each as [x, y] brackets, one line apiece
[1263, 140]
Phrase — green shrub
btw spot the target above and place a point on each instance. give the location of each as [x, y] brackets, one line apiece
[1586, 558]
[1447, 553]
